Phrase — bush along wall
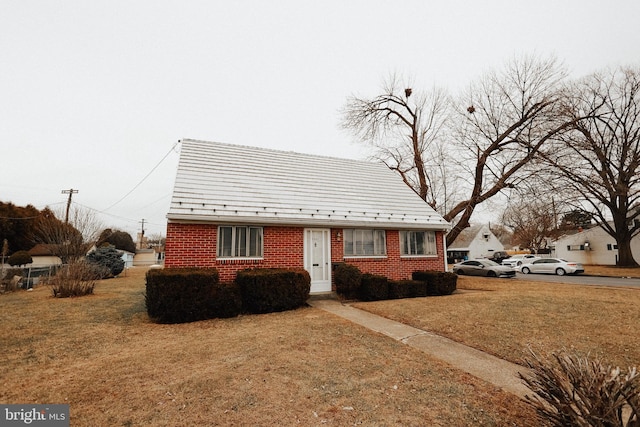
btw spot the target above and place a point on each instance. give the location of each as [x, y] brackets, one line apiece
[437, 282]
[347, 278]
[266, 290]
[373, 288]
[407, 289]
[351, 283]
[177, 295]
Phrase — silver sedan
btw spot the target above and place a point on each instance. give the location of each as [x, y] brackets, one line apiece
[483, 267]
[557, 266]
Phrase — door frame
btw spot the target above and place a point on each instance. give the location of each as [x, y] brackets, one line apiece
[324, 283]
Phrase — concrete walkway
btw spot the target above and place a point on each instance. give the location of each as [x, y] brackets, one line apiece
[494, 370]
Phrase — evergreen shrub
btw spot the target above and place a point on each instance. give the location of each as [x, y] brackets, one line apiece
[407, 289]
[20, 258]
[107, 260]
[347, 278]
[178, 295]
[437, 282]
[266, 290]
[373, 288]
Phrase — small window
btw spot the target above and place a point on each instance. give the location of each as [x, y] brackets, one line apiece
[575, 247]
[418, 243]
[364, 242]
[611, 247]
[240, 242]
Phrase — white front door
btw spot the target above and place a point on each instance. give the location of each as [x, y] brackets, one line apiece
[317, 258]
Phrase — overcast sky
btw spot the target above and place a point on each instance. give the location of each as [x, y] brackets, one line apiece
[94, 94]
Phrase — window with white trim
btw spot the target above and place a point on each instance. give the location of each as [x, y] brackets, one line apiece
[239, 242]
[414, 243]
[364, 242]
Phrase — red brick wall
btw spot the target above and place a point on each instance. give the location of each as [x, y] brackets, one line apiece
[392, 266]
[194, 245]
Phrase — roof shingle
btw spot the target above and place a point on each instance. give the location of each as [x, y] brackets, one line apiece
[226, 183]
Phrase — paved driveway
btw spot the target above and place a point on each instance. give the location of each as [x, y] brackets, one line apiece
[582, 279]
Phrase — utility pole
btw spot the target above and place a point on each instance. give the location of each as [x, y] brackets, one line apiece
[70, 192]
[142, 233]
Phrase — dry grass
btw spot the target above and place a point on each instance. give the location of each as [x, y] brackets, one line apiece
[100, 354]
[506, 317]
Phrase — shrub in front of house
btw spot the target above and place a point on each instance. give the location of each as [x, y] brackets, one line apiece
[373, 288]
[266, 290]
[347, 278]
[437, 282]
[178, 295]
[407, 289]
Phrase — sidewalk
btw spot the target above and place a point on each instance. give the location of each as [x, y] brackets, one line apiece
[492, 369]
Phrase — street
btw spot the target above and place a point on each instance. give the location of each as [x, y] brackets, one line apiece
[582, 279]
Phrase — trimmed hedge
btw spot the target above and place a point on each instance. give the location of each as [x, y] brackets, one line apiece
[438, 282]
[348, 279]
[407, 289]
[266, 290]
[374, 288]
[177, 295]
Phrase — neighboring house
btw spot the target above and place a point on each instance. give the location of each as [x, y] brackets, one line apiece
[476, 241]
[145, 257]
[42, 256]
[127, 257]
[237, 207]
[592, 246]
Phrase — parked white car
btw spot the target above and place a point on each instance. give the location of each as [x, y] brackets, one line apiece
[517, 260]
[557, 266]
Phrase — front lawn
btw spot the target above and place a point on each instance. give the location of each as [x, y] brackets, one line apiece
[506, 317]
[101, 355]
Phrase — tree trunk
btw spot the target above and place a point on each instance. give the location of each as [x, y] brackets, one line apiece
[462, 223]
[625, 257]
[623, 239]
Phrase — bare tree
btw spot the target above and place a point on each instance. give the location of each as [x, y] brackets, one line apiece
[402, 126]
[503, 121]
[500, 124]
[599, 158]
[534, 221]
[69, 241]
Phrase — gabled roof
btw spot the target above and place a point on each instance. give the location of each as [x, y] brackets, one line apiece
[41, 249]
[465, 238]
[225, 183]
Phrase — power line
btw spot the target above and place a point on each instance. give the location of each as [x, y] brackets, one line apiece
[143, 179]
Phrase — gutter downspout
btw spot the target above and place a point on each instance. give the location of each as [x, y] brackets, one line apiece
[444, 249]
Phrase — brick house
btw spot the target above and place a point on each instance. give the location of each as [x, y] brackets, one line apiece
[237, 207]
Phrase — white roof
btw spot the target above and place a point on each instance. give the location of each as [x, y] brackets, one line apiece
[223, 183]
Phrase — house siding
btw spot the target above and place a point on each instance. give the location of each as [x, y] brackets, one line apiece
[194, 245]
[599, 253]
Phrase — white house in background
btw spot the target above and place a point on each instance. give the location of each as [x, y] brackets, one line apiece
[127, 257]
[593, 246]
[42, 256]
[476, 241]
